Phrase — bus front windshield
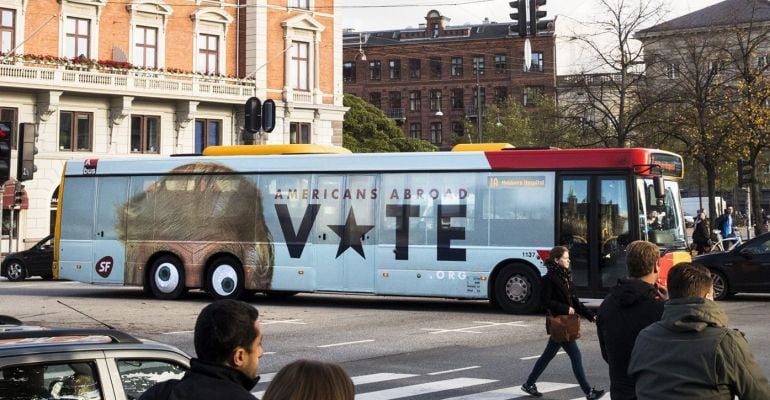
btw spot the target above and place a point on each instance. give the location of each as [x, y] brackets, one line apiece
[660, 220]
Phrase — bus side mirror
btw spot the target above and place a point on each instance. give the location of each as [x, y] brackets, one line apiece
[660, 190]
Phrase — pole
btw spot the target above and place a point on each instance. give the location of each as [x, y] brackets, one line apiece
[748, 212]
[2, 192]
[478, 104]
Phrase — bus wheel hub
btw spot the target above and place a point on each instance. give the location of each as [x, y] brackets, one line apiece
[517, 288]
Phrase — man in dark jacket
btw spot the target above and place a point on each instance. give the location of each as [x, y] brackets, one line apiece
[228, 343]
[633, 304]
[690, 353]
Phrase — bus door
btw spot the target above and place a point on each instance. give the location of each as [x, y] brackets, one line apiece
[109, 253]
[328, 266]
[76, 230]
[359, 258]
[593, 223]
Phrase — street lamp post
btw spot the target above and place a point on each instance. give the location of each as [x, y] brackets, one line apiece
[478, 104]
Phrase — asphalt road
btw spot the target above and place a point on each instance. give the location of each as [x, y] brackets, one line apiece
[393, 347]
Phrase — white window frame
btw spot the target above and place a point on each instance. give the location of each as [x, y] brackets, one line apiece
[150, 14]
[304, 28]
[216, 22]
[84, 9]
[19, 6]
[672, 71]
[297, 4]
[298, 60]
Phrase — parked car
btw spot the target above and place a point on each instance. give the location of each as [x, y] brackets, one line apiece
[35, 261]
[84, 364]
[743, 269]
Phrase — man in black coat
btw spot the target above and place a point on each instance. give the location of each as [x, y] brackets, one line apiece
[228, 343]
[631, 306]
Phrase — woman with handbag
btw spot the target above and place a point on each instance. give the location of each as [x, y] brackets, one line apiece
[562, 305]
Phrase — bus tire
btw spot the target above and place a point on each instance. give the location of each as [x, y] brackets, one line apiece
[224, 278]
[517, 289]
[167, 278]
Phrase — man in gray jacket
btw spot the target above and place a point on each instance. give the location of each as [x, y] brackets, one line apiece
[690, 353]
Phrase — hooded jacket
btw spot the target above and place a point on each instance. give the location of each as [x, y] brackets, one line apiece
[691, 354]
[631, 306]
[204, 381]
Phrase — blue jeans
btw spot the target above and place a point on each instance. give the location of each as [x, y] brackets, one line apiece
[574, 355]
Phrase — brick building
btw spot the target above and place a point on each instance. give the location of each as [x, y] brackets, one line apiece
[412, 74]
[139, 78]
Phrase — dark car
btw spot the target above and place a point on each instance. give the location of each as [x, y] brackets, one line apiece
[744, 269]
[35, 261]
[39, 363]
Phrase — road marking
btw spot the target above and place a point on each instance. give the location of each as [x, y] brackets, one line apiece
[535, 357]
[267, 353]
[265, 378]
[381, 377]
[287, 321]
[176, 332]
[515, 392]
[424, 388]
[469, 329]
[345, 343]
[454, 370]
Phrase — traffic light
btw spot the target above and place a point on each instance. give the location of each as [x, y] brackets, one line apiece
[6, 133]
[25, 166]
[745, 170]
[253, 117]
[268, 115]
[520, 15]
[535, 14]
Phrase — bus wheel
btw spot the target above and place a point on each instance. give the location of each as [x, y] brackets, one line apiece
[167, 278]
[517, 289]
[224, 279]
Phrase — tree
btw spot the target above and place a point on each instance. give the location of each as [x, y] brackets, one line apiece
[616, 98]
[366, 129]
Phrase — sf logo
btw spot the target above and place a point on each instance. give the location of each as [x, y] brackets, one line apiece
[104, 266]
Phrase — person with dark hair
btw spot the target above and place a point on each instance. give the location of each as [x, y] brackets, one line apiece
[307, 379]
[559, 299]
[632, 305]
[228, 345]
[691, 353]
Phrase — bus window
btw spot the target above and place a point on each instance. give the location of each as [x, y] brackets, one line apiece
[78, 210]
[613, 230]
[662, 223]
[520, 208]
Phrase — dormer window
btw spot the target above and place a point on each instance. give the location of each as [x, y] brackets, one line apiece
[434, 28]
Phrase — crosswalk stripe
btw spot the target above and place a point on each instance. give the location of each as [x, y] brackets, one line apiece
[514, 392]
[383, 377]
[424, 388]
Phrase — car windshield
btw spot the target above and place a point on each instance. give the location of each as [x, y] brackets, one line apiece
[661, 221]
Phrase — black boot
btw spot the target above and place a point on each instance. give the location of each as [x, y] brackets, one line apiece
[531, 390]
[595, 394]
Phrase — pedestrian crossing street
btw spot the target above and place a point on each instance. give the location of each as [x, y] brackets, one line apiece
[404, 385]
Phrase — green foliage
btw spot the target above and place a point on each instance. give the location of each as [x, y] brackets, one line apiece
[366, 129]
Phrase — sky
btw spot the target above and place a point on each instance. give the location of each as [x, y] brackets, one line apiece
[572, 16]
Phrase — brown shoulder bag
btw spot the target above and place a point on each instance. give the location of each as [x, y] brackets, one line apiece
[563, 328]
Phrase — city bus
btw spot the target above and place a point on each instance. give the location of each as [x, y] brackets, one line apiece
[473, 224]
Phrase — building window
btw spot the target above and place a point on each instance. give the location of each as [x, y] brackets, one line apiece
[537, 62]
[476, 100]
[208, 54]
[435, 67]
[208, 132]
[394, 98]
[376, 99]
[394, 67]
[478, 65]
[349, 72]
[299, 133]
[457, 98]
[414, 100]
[672, 71]
[145, 47]
[374, 70]
[435, 100]
[7, 30]
[78, 38]
[299, 65]
[501, 63]
[458, 129]
[145, 134]
[415, 130]
[303, 4]
[75, 131]
[501, 93]
[531, 95]
[415, 68]
[457, 66]
[434, 28]
[762, 61]
[11, 115]
[435, 132]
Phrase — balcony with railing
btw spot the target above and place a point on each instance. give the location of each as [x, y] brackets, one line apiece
[396, 113]
[125, 82]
